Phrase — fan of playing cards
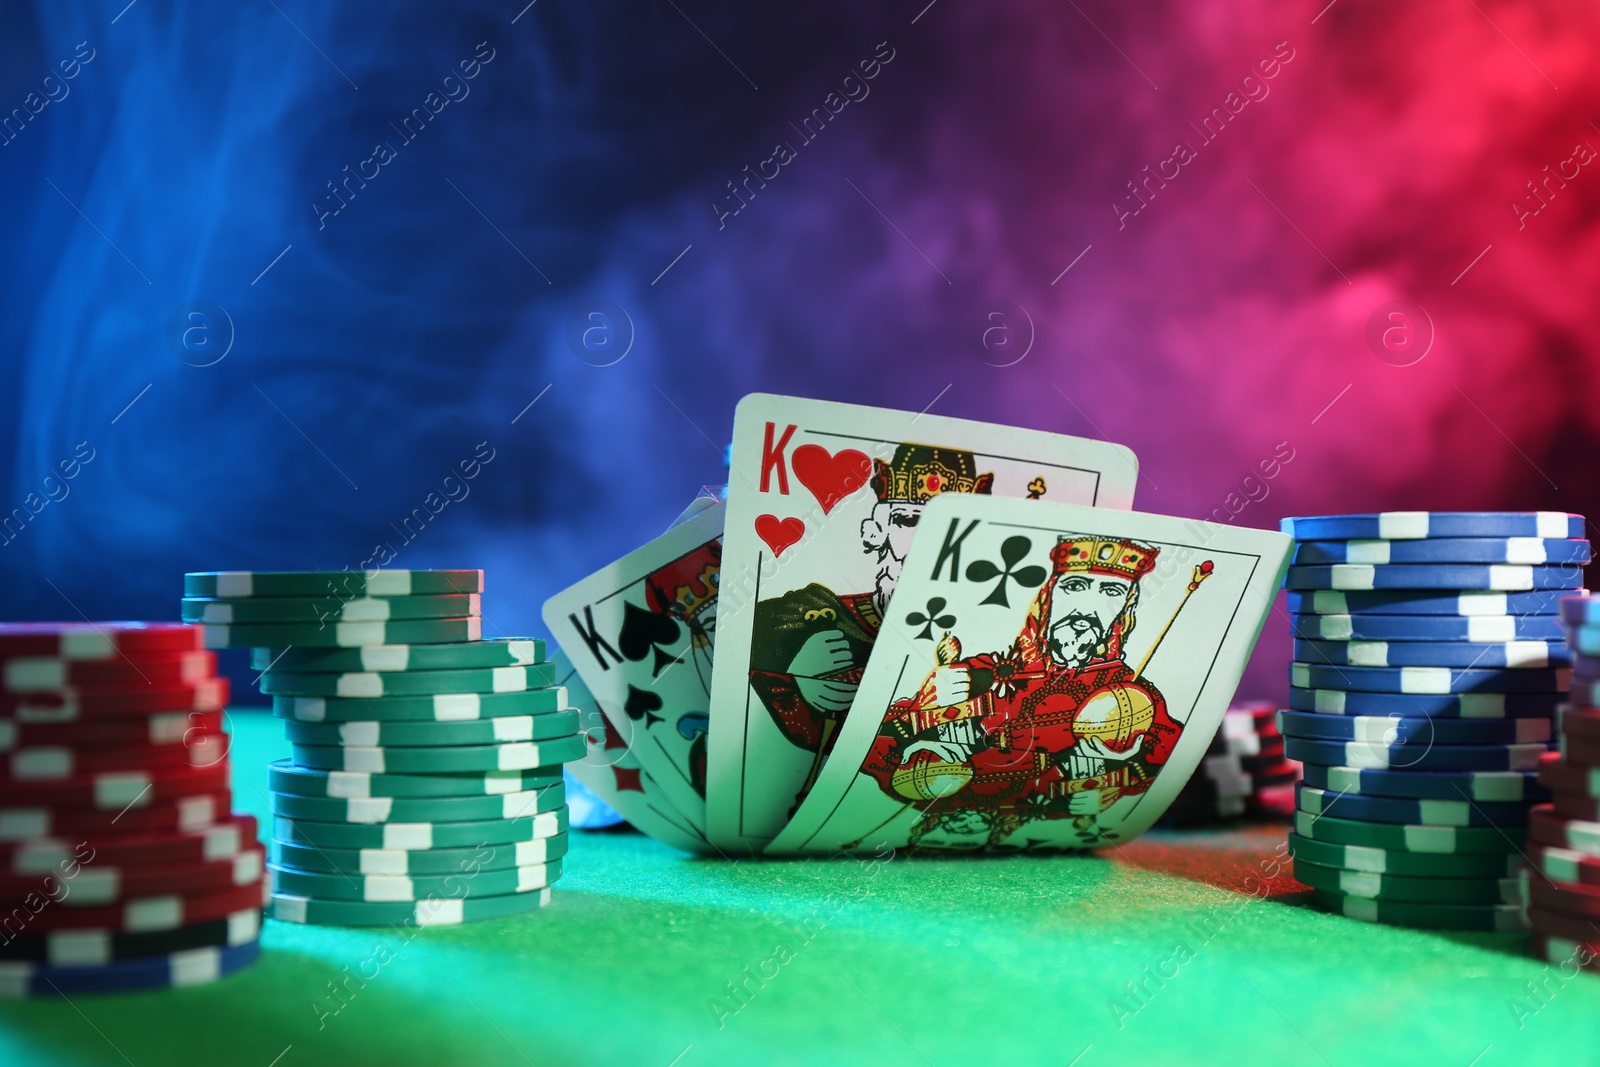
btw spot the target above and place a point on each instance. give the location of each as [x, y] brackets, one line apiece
[903, 630]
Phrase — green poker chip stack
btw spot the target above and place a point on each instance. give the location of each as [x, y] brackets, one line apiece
[426, 781]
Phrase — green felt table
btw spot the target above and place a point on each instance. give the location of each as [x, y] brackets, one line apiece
[1177, 948]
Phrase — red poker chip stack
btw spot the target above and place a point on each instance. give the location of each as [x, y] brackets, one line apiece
[1561, 886]
[122, 864]
[1244, 773]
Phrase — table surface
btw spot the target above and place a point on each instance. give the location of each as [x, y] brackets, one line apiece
[1176, 948]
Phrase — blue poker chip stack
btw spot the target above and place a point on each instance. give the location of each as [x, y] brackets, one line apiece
[1429, 661]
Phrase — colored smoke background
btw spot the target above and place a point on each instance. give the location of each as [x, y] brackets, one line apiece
[947, 241]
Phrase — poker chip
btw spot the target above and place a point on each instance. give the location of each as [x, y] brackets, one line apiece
[96, 948]
[1365, 755]
[166, 911]
[1557, 774]
[1576, 806]
[1565, 898]
[1398, 887]
[1579, 751]
[189, 967]
[1470, 865]
[426, 763]
[1492, 577]
[1435, 680]
[1579, 720]
[1580, 613]
[397, 887]
[433, 862]
[1426, 705]
[1237, 777]
[1528, 551]
[95, 640]
[121, 863]
[503, 730]
[432, 809]
[1480, 786]
[188, 813]
[320, 610]
[286, 777]
[1512, 654]
[1584, 640]
[116, 790]
[442, 707]
[43, 854]
[1410, 602]
[1564, 951]
[1394, 837]
[34, 674]
[460, 758]
[162, 728]
[341, 634]
[1475, 629]
[1586, 694]
[1419, 525]
[1503, 918]
[58, 762]
[105, 702]
[338, 584]
[434, 912]
[96, 883]
[1431, 653]
[1419, 730]
[1564, 865]
[375, 684]
[510, 652]
[1410, 811]
[1548, 921]
[415, 835]
[1549, 828]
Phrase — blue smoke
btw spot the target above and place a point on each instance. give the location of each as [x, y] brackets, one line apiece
[394, 226]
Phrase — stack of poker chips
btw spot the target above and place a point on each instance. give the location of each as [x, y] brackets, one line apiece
[122, 865]
[1244, 772]
[425, 783]
[1429, 664]
[1561, 888]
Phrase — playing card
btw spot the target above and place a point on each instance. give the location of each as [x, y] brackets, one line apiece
[612, 770]
[639, 632]
[823, 500]
[1048, 677]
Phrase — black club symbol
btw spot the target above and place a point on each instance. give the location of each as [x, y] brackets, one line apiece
[930, 618]
[1013, 550]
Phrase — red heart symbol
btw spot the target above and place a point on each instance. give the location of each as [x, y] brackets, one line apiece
[830, 478]
[778, 533]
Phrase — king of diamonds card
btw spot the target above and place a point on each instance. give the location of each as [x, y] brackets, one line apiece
[1048, 676]
[824, 503]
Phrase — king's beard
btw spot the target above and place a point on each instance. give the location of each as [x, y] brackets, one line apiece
[1076, 640]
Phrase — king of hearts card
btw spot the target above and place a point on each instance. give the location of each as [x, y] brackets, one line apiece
[824, 502]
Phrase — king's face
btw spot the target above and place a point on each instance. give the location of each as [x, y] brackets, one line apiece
[902, 526]
[1082, 609]
[899, 521]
